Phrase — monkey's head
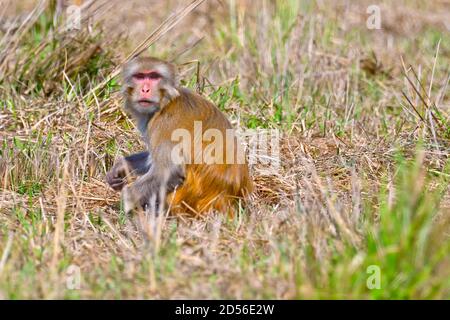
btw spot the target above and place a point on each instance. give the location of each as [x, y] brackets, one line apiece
[148, 84]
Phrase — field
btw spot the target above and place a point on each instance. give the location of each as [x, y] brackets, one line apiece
[358, 208]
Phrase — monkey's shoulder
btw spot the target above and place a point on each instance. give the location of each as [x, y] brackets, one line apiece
[192, 101]
[190, 104]
[184, 111]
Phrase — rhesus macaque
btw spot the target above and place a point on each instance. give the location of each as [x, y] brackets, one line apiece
[171, 176]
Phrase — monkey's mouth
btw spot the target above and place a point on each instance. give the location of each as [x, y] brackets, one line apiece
[146, 103]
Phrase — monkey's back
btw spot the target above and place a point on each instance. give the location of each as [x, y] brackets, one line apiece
[206, 186]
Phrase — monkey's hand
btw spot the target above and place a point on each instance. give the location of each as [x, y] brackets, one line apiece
[117, 176]
[150, 190]
[144, 194]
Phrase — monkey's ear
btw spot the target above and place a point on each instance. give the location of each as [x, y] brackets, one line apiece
[169, 92]
[126, 89]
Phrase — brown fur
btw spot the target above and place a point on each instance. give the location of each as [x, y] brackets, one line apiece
[206, 186]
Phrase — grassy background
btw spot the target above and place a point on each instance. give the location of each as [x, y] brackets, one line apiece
[364, 176]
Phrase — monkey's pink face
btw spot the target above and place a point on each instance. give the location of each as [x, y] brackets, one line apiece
[147, 88]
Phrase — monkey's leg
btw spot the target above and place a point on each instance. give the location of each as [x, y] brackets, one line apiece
[137, 164]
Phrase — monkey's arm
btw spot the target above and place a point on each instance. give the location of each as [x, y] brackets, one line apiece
[137, 164]
[152, 187]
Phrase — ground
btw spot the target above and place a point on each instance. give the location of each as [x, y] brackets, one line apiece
[358, 208]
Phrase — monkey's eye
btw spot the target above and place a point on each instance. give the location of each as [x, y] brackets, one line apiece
[139, 76]
[146, 75]
[154, 75]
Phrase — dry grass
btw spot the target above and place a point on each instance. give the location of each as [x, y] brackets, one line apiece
[364, 116]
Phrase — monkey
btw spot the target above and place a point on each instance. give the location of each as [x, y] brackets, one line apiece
[184, 183]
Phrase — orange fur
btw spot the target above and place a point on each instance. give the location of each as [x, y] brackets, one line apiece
[206, 186]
